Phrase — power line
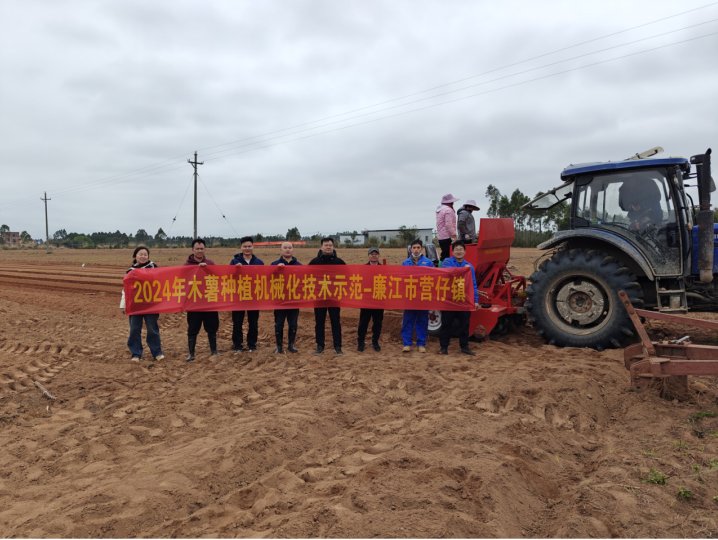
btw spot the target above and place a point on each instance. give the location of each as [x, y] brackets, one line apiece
[99, 183]
[465, 87]
[418, 109]
[467, 78]
[80, 188]
[466, 97]
[218, 208]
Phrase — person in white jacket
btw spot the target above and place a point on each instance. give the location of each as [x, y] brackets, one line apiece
[134, 342]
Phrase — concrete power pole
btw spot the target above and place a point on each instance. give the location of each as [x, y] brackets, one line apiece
[47, 230]
[194, 164]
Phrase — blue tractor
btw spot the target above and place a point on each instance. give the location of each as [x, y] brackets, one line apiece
[634, 228]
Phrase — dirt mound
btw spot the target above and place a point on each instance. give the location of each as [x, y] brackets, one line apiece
[523, 439]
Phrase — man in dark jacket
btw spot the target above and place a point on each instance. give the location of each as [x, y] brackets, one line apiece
[195, 319]
[327, 255]
[290, 315]
[246, 258]
[365, 315]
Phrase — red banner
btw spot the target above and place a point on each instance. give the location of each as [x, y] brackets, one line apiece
[238, 288]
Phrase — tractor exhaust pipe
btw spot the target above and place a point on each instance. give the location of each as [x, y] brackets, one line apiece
[706, 235]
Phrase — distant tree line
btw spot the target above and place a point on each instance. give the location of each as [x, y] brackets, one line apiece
[531, 227]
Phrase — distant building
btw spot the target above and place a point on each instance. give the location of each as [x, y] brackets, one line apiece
[384, 235]
[12, 238]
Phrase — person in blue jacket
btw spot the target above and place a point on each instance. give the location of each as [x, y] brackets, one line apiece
[290, 315]
[247, 258]
[447, 317]
[416, 318]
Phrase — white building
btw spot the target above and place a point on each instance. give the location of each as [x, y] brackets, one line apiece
[384, 235]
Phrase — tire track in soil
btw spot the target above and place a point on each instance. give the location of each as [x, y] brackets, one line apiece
[524, 439]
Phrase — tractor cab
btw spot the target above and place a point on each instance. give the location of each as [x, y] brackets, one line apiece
[639, 204]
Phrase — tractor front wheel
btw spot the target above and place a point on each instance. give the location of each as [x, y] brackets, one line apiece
[573, 300]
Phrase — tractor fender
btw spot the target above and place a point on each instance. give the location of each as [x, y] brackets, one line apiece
[601, 236]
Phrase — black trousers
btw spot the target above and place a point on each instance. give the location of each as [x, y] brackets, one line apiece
[252, 333]
[447, 322]
[320, 318]
[290, 315]
[365, 315]
[195, 319]
[445, 246]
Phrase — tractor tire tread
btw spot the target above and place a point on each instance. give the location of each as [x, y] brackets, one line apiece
[608, 272]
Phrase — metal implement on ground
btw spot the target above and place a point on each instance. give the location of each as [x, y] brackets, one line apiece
[651, 360]
[501, 294]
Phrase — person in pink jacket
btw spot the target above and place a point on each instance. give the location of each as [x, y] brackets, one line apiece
[446, 224]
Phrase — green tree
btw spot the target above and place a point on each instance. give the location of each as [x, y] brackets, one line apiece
[494, 196]
[293, 234]
[408, 234]
[60, 235]
[83, 242]
[25, 238]
[258, 237]
[160, 237]
[141, 237]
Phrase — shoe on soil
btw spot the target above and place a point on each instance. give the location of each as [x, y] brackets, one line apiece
[238, 350]
[422, 349]
[136, 358]
[214, 353]
[190, 357]
[160, 357]
[443, 351]
[407, 349]
[338, 350]
[278, 350]
[252, 349]
[320, 350]
[466, 350]
[291, 349]
[376, 347]
[360, 347]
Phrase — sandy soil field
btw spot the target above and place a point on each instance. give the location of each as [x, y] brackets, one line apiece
[522, 440]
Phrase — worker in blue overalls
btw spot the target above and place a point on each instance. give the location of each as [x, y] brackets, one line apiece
[416, 318]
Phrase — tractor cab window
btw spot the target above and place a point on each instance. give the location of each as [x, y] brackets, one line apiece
[637, 205]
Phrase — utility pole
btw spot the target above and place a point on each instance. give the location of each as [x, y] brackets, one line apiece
[47, 230]
[194, 164]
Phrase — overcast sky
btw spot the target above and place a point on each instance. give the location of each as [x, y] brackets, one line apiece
[94, 91]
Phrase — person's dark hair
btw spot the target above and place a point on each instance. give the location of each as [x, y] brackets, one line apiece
[328, 239]
[137, 250]
[198, 241]
[246, 239]
[458, 243]
[417, 241]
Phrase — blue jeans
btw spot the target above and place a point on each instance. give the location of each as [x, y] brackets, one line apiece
[134, 342]
[418, 318]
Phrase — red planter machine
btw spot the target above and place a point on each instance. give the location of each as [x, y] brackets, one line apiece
[501, 294]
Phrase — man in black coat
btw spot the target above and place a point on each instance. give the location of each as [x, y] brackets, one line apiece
[290, 315]
[327, 255]
[365, 315]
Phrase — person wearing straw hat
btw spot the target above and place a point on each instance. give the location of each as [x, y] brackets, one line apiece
[446, 224]
[466, 223]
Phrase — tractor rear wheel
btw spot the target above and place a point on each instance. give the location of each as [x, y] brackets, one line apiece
[573, 300]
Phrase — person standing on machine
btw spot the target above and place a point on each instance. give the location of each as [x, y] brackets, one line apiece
[446, 224]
